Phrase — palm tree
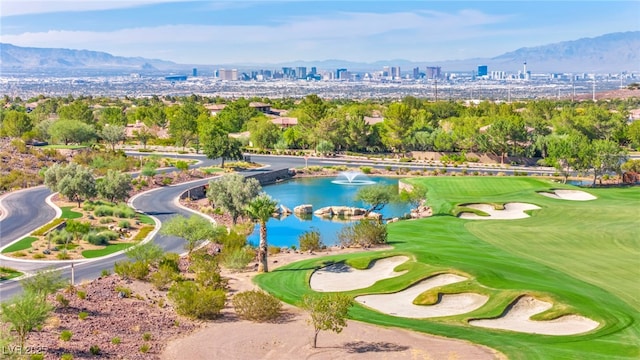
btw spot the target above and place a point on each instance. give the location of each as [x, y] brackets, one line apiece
[260, 209]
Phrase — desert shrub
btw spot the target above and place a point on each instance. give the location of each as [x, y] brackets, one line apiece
[63, 301]
[182, 165]
[207, 271]
[63, 256]
[38, 256]
[257, 306]
[124, 212]
[127, 270]
[170, 259]
[125, 224]
[365, 233]
[197, 302]
[274, 250]
[96, 239]
[146, 336]
[106, 220]
[366, 169]
[36, 357]
[142, 233]
[95, 350]
[123, 291]
[238, 258]
[105, 272]
[144, 348]
[83, 315]
[310, 241]
[233, 240]
[167, 181]
[163, 277]
[65, 335]
[82, 294]
[66, 356]
[103, 210]
[116, 340]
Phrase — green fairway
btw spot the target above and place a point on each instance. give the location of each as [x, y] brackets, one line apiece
[107, 250]
[22, 244]
[581, 256]
[67, 213]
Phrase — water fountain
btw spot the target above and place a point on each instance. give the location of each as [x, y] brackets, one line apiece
[352, 177]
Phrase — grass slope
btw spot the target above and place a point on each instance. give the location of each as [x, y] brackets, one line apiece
[22, 244]
[561, 254]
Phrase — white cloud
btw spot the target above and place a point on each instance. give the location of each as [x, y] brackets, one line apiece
[24, 7]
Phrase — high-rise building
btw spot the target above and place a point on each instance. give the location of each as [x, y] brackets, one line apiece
[341, 74]
[433, 72]
[313, 70]
[416, 73]
[195, 72]
[228, 75]
[395, 73]
[483, 70]
[301, 72]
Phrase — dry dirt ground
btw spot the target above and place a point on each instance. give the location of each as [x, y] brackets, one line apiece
[290, 338]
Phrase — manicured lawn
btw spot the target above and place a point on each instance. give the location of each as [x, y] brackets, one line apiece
[23, 244]
[60, 146]
[8, 273]
[145, 219]
[67, 213]
[582, 256]
[109, 249]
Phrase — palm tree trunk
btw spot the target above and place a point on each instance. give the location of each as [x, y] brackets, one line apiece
[262, 248]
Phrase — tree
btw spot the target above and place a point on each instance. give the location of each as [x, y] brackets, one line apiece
[73, 181]
[24, 313]
[261, 209]
[115, 186]
[397, 126]
[414, 196]
[44, 283]
[376, 196]
[71, 131]
[232, 193]
[113, 134]
[15, 123]
[325, 147]
[113, 116]
[568, 152]
[77, 111]
[607, 156]
[327, 312]
[216, 143]
[143, 136]
[183, 124]
[149, 253]
[264, 133]
[194, 230]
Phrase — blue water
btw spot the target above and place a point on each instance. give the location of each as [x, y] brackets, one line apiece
[319, 192]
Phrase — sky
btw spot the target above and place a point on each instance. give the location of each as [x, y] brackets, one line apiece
[249, 32]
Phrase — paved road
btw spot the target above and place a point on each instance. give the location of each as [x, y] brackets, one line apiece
[26, 211]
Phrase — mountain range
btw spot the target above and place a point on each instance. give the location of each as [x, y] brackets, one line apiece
[613, 52]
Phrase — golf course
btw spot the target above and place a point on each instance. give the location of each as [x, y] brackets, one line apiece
[572, 263]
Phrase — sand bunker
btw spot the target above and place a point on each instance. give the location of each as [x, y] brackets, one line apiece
[511, 211]
[517, 318]
[342, 277]
[575, 195]
[401, 303]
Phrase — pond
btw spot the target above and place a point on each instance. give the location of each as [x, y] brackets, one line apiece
[319, 192]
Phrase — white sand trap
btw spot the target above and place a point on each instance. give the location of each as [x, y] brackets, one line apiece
[575, 195]
[517, 318]
[511, 211]
[342, 277]
[401, 303]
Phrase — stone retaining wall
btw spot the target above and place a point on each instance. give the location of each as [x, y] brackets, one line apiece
[265, 178]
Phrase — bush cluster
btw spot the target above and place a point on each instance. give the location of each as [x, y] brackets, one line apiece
[257, 306]
[194, 301]
[364, 233]
[310, 241]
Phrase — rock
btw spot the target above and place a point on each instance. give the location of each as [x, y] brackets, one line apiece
[284, 209]
[303, 209]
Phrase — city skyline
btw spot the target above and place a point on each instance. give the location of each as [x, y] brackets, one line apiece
[202, 32]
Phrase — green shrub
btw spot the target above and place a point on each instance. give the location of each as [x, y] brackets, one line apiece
[96, 239]
[274, 250]
[105, 272]
[116, 340]
[39, 256]
[124, 291]
[41, 231]
[145, 348]
[196, 302]
[365, 233]
[164, 276]
[146, 336]
[310, 241]
[83, 315]
[82, 294]
[142, 233]
[63, 256]
[125, 224]
[66, 335]
[124, 212]
[257, 306]
[106, 220]
[366, 169]
[66, 357]
[103, 210]
[63, 301]
[237, 259]
[36, 357]
[131, 270]
[95, 350]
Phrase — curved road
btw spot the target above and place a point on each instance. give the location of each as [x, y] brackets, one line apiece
[25, 212]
